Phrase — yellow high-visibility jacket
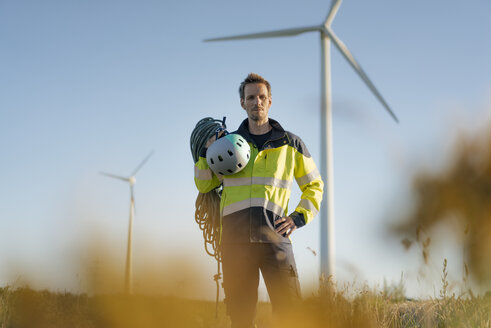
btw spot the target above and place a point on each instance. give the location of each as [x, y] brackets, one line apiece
[255, 197]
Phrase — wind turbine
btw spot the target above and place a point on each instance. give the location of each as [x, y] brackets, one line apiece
[327, 247]
[128, 280]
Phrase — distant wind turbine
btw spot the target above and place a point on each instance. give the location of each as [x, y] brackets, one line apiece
[128, 280]
[327, 247]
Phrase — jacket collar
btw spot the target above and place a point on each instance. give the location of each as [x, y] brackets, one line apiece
[277, 132]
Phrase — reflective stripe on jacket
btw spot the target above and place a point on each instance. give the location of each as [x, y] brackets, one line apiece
[253, 198]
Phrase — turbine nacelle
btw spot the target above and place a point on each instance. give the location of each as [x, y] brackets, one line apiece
[131, 179]
[326, 31]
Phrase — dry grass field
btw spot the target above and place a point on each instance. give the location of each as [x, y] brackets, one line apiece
[25, 307]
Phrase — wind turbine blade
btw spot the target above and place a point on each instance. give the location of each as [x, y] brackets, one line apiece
[270, 34]
[115, 176]
[332, 12]
[349, 57]
[142, 163]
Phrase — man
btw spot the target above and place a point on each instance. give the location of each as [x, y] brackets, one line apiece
[254, 204]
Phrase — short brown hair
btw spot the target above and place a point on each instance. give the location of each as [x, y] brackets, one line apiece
[253, 78]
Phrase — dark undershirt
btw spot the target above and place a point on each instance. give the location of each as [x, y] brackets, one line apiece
[260, 139]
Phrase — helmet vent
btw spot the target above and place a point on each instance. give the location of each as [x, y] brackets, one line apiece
[230, 153]
[220, 158]
[230, 171]
[239, 165]
[247, 156]
[238, 144]
[211, 160]
[221, 173]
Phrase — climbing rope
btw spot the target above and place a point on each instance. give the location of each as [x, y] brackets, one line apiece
[207, 214]
[203, 131]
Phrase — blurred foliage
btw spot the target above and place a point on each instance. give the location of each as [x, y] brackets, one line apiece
[459, 191]
[170, 297]
[24, 307]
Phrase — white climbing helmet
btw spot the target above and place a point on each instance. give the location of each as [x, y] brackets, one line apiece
[229, 154]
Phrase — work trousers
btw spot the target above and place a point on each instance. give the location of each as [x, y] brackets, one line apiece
[241, 265]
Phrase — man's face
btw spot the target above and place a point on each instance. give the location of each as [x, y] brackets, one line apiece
[256, 101]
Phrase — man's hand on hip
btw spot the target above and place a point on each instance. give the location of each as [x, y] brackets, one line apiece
[285, 226]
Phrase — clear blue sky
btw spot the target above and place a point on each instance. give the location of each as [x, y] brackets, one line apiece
[89, 86]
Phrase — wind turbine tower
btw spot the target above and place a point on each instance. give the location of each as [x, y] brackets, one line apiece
[327, 236]
[128, 279]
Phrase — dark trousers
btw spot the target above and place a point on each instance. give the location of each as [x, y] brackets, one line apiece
[241, 265]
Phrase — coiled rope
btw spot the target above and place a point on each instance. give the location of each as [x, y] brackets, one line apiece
[207, 216]
[207, 213]
[203, 131]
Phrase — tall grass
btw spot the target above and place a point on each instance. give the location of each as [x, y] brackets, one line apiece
[328, 307]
